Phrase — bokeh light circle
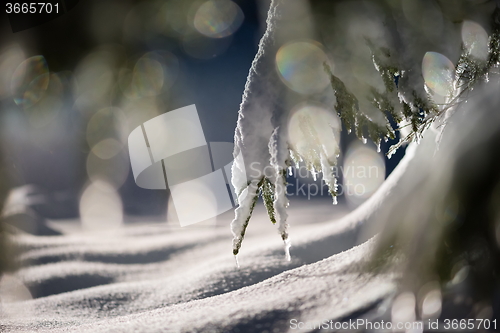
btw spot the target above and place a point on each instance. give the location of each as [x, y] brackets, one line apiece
[153, 73]
[312, 130]
[363, 172]
[218, 18]
[403, 308]
[439, 73]
[301, 66]
[113, 170]
[101, 207]
[107, 148]
[432, 303]
[147, 79]
[475, 39]
[105, 123]
[30, 81]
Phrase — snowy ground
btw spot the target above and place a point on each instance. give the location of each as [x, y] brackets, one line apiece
[158, 277]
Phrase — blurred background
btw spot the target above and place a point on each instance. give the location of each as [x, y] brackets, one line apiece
[73, 88]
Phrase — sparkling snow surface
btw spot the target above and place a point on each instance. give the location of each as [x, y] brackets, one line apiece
[158, 277]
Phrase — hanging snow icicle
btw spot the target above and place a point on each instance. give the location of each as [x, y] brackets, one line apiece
[280, 161]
